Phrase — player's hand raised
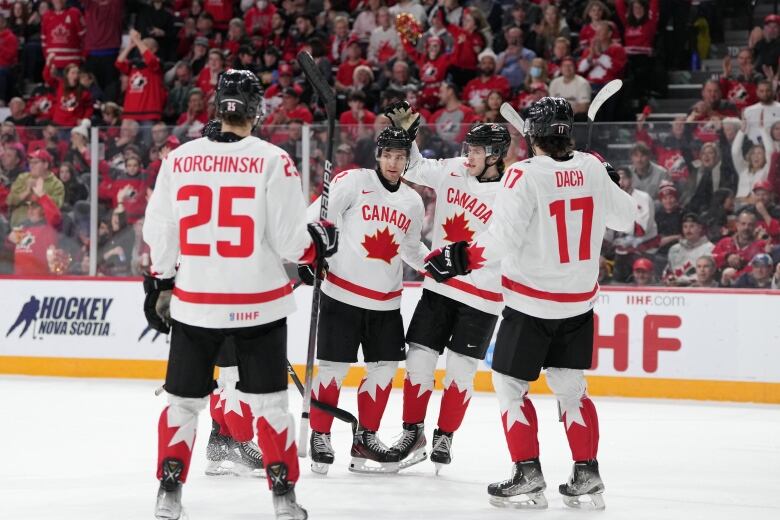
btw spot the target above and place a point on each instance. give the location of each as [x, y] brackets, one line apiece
[403, 116]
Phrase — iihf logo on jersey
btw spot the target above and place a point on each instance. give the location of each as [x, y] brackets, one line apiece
[61, 316]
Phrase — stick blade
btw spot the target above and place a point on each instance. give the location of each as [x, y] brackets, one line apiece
[606, 92]
[513, 118]
[317, 80]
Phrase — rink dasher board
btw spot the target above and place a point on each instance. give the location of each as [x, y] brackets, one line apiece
[655, 342]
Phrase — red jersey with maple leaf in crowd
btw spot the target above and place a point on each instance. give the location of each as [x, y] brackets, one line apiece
[377, 230]
[477, 90]
[70, 105]
[146, 94]
[33, 240]
[464, 207]
[61, 33]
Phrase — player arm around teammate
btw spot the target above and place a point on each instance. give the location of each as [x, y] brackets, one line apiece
[224, 213]
[459, 315]
[551, 215]
[380, 219]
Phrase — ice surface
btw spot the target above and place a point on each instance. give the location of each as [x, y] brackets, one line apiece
[77, 449]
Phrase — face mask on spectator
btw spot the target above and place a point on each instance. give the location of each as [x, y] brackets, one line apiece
[536, 72]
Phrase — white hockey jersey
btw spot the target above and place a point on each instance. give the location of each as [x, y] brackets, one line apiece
[377, 229]
[548, 223]
[464, 207]
[227, 214]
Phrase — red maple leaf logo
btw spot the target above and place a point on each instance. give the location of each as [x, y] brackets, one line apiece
[475, 256]
[457, 228]
[381, 245]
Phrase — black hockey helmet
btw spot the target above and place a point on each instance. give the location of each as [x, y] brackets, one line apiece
[493, 136]
[239, 92]
[550, 116]
[391, 137]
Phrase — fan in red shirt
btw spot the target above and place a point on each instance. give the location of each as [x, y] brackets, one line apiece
[339, 40]
[38, 232]
[221, 10]
[72, 102]
[357, 120]
[347, 68]
[128, 188]
[274, 93]
[289, 109]
[207, 79]
[740, 89]
[433, 66]
[709, 111]
[145, 95]
[61, 34]
[736, 252]
[596, 11]
[476, 91]
[9, 56]
[258, 18]
[604, 60]
[469, 42]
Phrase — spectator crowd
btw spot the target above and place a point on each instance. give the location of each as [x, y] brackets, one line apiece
[142, 76]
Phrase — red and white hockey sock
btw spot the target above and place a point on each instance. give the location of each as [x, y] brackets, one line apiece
[577, 411]
[176, 431]
[326, 388]
[418, 384]
[275, 431]
[238, 415]
[582, 428]
[458, 387]
[518, 417]
[217, 411]
[374, 391]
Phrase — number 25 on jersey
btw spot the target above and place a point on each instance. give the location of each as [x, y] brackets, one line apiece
[204, 195]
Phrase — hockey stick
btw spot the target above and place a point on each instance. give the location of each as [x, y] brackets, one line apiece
[606, 92]
[513, 118]
[338, 413]
[328, 98]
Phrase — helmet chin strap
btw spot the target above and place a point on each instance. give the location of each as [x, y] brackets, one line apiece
[485, 169]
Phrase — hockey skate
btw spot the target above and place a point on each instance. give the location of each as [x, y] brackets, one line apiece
[411, 445]
[229, 457]
[322, 455]
[524, 490]
[369, 455]
[285, 505]
[168, 505]
[441, 451]
[585, 489]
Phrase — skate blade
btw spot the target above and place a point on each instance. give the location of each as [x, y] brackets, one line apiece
[523, 501]
[169, 515]
[320, 468]
[414, 457]
[232, 469]
[590, 502]
[438, 467]
[361, 465]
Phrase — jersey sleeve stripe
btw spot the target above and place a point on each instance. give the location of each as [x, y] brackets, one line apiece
[232, 298]
[544, 295]
[362, 291]
[472, 289]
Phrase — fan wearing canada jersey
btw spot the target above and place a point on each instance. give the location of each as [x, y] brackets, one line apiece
[380, 222]
[460, 314]
[549, 220]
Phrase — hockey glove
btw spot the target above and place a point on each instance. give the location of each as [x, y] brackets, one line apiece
[212, 129]
[402, 116]
[306, 273]
[613, 174]
[448, 261]
[325, 237]
[157, 302]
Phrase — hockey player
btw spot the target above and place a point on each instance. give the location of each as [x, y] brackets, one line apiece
[224, 212]
[548, 223]
[231, 450]
[380, 220]
[460, 314]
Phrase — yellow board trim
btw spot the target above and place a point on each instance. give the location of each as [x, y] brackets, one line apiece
[737, 391]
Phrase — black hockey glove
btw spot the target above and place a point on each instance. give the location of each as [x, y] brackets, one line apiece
[613, 174]
[325, 237]
[306, 273]
[212, 129]
[403, 116]
[448, 261]
[157, 302]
